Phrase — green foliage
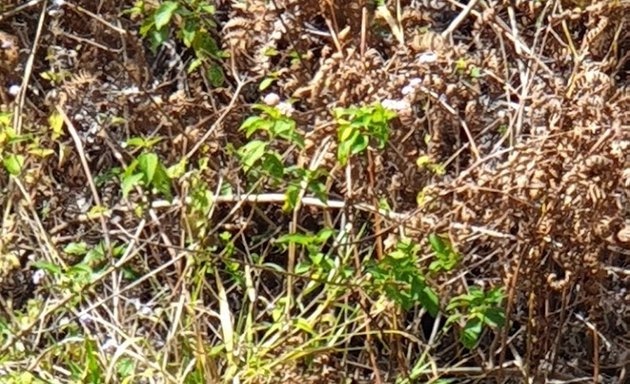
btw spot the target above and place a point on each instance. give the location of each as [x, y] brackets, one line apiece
[270, 79]
[275, 124]
[13, 164]
[400, 278]
[358, 125]
[147, 170]
[260, 160]
[199, 202]
[193, 24]
[476, 309]
[427, 163]
[141, 142]
[15, 150]
[319, 264]
[446, 257]
[314, 181]
[232, 268]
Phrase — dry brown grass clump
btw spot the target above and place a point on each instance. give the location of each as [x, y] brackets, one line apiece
[512, 140]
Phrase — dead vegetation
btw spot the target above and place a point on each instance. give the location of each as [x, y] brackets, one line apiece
[512, 140]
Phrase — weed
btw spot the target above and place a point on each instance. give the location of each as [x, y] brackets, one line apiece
[193, 24]
[476, 309]
[357, 126]
[399, 276]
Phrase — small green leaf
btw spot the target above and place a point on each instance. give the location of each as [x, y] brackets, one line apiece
[266, 83]
[215, 75]
[148, 164]
[129, 182]
[208, 8]
[346, 132]
[429, 300]
[48, 267]
[40, 152]
[164, 13]
[78, 249]
[5, 119]
[56, 125]
[494, 317]
[157, 37]
[189, 32]
[97, 211]
[255, 123]
[176, 171]
[460, 64]
[475, 72]
[359, 144]
[125, 367]
[251, 152]
[437, 243]
[471, 332]
[162, 182]
[194, 65]
[140, 142]
[13, 164]
[146, 27]
[291, 197]
[273, 165]
[303, 324]
[318, 188]
[344, 150]
[295, 238]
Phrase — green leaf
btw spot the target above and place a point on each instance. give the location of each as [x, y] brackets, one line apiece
[13, 164]
[318, 188]
[254, 123]
[273, 165]
[291, 197]
[302, 268]
[471, 332]
[189, 32]
[40, 152]
[460, 64]
[429, 300]
[5, 119]
[304, 325]
[157, 37]
[295, 238]
[141, 142]
[205, 46]
[78, 249]
[129, 182]
[164, 13]
[494, 317]
[148, 164]
[266, 83]
[194, 65]
[48, 267]
[162, 182]
[215, 75]
[56, 124]
[95, 255]
[176, 171]
[359, 144]
[346, 132]
[146, 27]
[251, 152]
[437, 244]
[125, 367]
[455, 317]
[345, 148]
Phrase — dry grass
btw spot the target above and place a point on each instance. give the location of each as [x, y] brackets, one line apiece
[511, 141]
